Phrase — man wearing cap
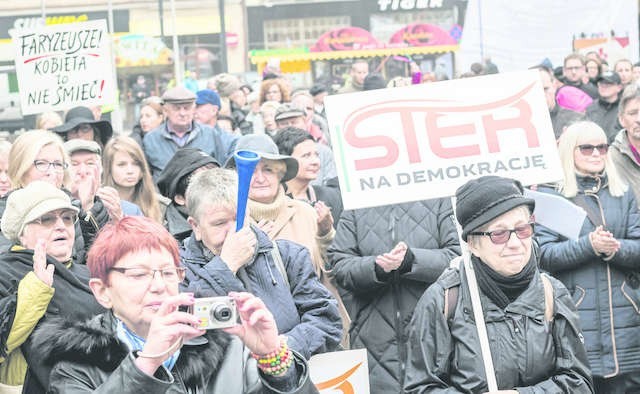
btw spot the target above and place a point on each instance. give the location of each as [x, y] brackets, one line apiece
[99, 203]
[626, 146]
[288, 115]
[173, 182]
[604, 110]
[179, 130]
[207, 107]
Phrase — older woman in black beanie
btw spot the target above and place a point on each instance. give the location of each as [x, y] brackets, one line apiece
[535, 341]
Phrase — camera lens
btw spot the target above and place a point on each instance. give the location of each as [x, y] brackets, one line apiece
[222, 313]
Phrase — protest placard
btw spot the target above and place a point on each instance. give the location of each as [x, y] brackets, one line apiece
[424, 141]
[344, 372]
[64, 65]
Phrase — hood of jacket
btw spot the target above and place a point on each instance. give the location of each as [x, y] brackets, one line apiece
[95, 343]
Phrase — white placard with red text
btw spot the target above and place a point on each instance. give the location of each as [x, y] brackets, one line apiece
[65, 65]
[424, 141]
[344, 372]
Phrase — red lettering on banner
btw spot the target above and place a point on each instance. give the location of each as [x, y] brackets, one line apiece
[436, 133]
[523, 122]
[371, 142]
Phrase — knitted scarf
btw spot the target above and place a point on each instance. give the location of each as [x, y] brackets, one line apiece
[503, 290]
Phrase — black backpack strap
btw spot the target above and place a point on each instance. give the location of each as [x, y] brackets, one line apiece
[450, 302]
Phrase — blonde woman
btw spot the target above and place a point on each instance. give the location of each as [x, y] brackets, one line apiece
[600, 268]
[38, 155]
[126, 170]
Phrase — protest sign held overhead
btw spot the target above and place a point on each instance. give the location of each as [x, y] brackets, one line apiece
[63, 66]
[423, 141]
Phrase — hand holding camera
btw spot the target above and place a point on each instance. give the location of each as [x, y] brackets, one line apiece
[258, 328]
[169, 328]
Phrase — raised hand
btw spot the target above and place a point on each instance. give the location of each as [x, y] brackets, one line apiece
[258, 330]
[603, 241]
[238, 248]
[325, 220]
[111, 201]
[392, 260]
[43, 271]
[168, 327]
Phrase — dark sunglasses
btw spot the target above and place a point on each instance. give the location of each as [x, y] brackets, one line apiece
[500, 237]
[587, 149]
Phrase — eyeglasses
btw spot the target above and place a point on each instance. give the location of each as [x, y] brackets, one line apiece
[500, 237]
[69, 218]
[45, 165]
[587, 149]
[146, 275]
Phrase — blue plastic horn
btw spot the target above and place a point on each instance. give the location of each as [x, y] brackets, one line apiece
[246, 162]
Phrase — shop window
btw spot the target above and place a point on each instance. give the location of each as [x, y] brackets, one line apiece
[300, 32]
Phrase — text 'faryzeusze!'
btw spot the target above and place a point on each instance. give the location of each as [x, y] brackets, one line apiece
[68, 42]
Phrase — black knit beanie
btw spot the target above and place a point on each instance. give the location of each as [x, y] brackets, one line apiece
[481, 200]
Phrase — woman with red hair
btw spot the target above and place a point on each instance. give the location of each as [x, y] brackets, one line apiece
[146, 343]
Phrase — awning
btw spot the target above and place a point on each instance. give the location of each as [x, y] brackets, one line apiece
[299, 59]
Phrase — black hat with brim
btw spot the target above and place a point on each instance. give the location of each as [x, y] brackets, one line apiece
[79, 115]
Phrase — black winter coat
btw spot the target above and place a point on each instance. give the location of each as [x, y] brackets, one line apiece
[529, 354]
[88, 357]
[607, 293]
[381, 304]
[72, 300]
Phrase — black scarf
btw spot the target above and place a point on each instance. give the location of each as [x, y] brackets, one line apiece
[503, 289]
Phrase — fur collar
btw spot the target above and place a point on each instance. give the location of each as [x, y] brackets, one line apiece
[95, 344]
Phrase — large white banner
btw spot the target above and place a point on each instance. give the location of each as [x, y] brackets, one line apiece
[63, 66]
[424, 141]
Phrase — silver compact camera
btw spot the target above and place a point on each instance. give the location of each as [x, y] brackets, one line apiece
[215, 312]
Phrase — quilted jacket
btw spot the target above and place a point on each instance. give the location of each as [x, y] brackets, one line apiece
[381, 304]
[606, 293]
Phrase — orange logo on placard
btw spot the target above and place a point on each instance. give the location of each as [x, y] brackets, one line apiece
[340, 382]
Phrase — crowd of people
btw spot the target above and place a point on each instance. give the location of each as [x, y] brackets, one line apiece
[91, 214]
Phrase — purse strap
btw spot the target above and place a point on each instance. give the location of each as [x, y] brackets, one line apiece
[581, 201]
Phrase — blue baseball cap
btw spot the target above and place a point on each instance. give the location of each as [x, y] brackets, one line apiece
[207, 96]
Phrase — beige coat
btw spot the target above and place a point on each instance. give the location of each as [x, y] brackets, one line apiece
[296, 221]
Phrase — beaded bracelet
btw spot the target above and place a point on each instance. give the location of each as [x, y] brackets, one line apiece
[277, 362]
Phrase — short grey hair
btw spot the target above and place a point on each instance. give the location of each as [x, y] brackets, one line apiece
[215, 186]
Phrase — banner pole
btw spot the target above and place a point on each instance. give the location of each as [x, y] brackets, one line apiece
[476, 305]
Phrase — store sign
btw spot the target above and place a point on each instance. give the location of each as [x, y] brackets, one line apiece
[422, 34]
[409, 5]
[345, 39]
[138, 50]
[424, 141]
[63, 66]
[11, 25]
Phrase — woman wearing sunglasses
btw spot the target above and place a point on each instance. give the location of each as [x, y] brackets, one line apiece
[39, 277]
[532, 326]
[601, 268]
